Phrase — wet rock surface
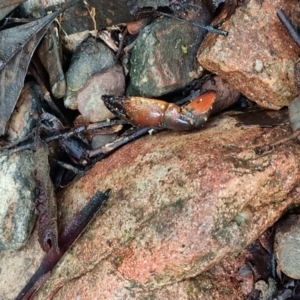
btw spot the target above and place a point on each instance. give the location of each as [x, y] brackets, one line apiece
[287, 244]
[163, 58]
[168, 189]
[18, 266]
[258, 55]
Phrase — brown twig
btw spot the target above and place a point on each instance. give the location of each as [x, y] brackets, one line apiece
[65, 240]
[261, 150]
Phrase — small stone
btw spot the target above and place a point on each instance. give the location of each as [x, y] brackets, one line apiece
[90, 57]
[258, 55]
[226, 94]
[134, 27]
[287, 245]
[267, 289]
[294, 113]
[258, 65]
[163, 58]
[108, 82]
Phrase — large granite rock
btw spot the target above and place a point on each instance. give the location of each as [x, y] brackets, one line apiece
[180, 203]
[258, 55]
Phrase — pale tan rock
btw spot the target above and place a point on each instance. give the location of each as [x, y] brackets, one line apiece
[258, 55]
[180, 202]
[108, 82]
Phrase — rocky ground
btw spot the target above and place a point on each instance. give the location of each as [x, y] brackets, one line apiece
[198, 214]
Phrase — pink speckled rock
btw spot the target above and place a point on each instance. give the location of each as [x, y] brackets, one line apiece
[258, 55]
[180, 202]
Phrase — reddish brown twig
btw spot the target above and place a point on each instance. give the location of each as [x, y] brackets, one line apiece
[65, 240]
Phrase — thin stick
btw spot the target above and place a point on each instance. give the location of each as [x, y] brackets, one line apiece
[121, 44]
[206, 27]
[289, 26]
[261, 150]
[69, 167]
[108, 148]
[59, 135]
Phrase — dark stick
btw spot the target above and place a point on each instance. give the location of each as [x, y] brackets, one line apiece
[69, 167]
[65, 240]
[289, 26]
[121, 44]
[261, 150]
[58, 135]
[121, 141]
[206, 27]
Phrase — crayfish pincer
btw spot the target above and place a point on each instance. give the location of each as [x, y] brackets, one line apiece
[146, 112]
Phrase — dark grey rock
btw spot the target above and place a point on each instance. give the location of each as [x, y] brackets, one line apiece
[287, 245]
[90, 58]
[163, 59]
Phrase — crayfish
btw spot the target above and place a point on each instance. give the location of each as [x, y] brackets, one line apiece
[147, 112]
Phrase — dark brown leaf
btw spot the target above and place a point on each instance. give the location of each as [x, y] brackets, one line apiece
[16, 48]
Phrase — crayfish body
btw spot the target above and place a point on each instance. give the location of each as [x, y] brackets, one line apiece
[146, 112]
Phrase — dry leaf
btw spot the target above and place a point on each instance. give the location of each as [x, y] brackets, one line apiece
[16, 49]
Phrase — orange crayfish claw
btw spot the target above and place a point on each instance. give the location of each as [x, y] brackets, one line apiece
[199, 109]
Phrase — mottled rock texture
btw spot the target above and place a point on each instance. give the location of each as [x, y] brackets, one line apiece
[17, 185]
[90, 57]
[258, 55]
[163, 58]
[108, 82]
[180, 203]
